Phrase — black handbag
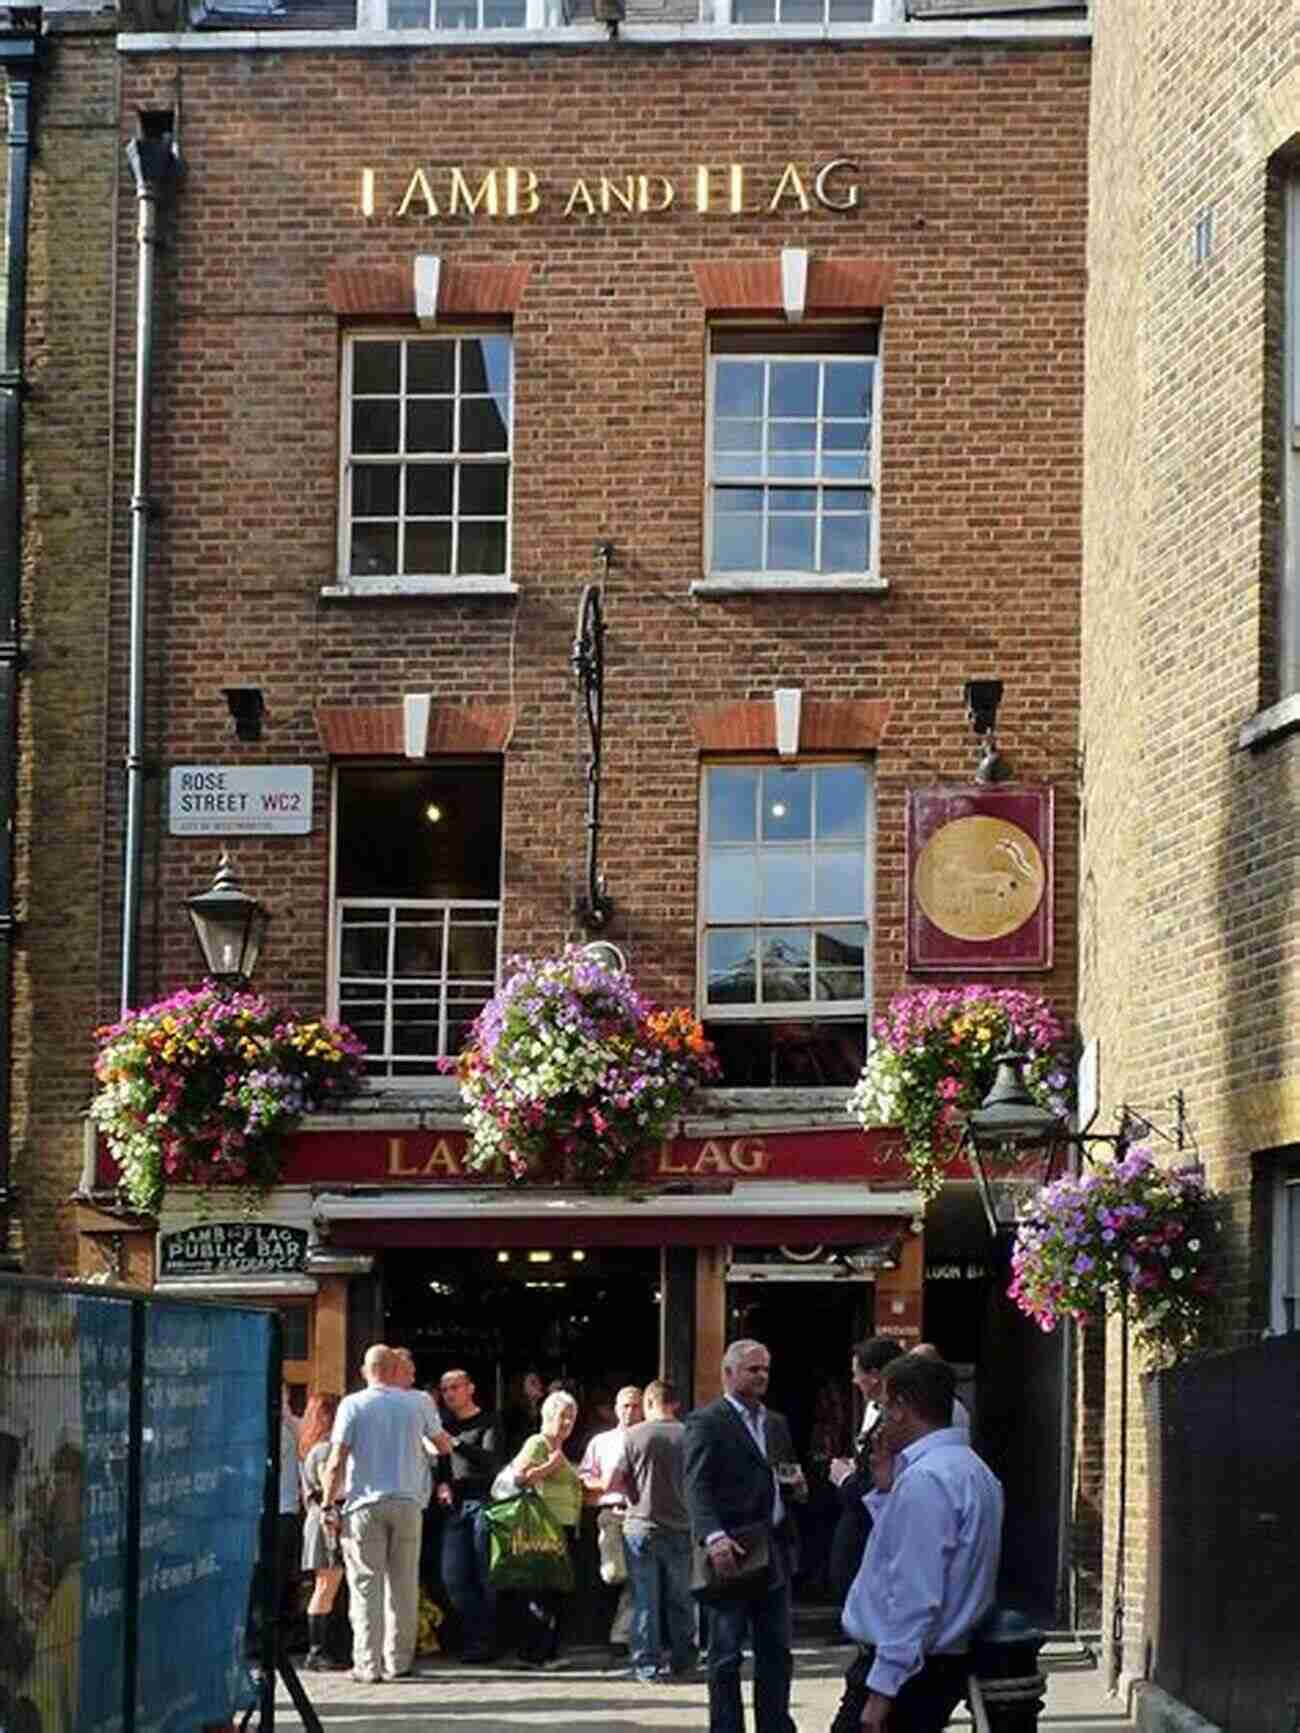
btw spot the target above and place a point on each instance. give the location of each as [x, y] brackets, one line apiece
[753, 1573]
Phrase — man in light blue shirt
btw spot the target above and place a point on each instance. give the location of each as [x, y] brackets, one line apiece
[383, 1438]
[930, 1570]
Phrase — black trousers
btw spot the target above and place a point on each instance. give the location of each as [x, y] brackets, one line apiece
[542, 1616]
[924, 1704]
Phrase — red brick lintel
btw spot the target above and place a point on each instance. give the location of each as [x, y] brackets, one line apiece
[464, 291]
[376, 730]
[848, 725]
[754, 286]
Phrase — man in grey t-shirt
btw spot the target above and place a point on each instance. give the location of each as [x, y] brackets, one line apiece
[656, 1535]
[379, 1451]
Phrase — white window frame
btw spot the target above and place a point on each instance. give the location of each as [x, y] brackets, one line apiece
[787, 1010]
[1288, 589]
[385, 583]
[381, 1068]
[1284, 1298]
[871, 336]
[538, 15]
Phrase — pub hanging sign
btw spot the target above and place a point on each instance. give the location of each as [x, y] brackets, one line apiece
[245, 1248]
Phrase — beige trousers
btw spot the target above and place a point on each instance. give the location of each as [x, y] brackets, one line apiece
[381, 1550]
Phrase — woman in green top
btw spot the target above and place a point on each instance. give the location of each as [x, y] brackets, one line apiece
[541, 1463]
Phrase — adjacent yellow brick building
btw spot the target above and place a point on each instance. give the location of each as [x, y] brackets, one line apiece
[1190, 748]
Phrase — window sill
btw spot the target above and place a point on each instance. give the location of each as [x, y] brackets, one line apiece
[911, 32]
[1271, 724]
[723, 1111]
[361, 590]
[787, 583]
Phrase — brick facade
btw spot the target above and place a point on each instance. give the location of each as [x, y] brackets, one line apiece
[966, 246]
[73, 417]
[979, 483]
[1191, 844]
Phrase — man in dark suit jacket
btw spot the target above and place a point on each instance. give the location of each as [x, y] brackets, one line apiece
[733, 1447]
[851, 1476]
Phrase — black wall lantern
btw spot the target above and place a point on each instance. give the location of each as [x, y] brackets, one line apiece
[1013, 1144]
[229, 926]
[592, 907]
[982, 700]
[247, 708]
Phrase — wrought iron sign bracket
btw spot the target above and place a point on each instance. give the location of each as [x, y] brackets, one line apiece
[593, 906]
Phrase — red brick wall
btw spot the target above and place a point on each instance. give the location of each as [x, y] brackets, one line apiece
[974, 195]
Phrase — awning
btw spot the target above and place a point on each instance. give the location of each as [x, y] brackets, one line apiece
[750, 1213]
[238, 1287]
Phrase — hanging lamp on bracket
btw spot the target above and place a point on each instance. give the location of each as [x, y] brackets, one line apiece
[593, 906]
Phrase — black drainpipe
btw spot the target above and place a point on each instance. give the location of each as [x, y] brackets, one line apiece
[154, 161]
[19, 46]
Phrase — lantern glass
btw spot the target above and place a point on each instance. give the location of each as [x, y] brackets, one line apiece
[230, 927]
[1013, 1144]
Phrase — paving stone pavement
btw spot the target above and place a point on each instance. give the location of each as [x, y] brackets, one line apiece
[591, 1693]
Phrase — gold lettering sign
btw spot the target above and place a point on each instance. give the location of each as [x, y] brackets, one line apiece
[462, 197]
[716, 1156]
[512, 192]
[442, 1161]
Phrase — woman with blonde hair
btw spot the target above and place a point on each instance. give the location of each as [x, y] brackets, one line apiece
[541, 1463]
[321, 1554]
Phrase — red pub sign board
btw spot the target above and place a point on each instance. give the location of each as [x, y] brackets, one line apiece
[438, 1157]
[415, 1157]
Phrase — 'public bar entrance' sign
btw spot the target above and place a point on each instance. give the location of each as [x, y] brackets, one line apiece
[233, 1248]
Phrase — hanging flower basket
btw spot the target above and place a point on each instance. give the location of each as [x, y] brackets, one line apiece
[1126, 1235]
[571, 1075]
[932, 1058]
[200, 1088]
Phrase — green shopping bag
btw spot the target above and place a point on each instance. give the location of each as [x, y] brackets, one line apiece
[527, 1548]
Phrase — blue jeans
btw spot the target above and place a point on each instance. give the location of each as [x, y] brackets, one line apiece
[465, 1576]
[765, 1619]
[659, 1570]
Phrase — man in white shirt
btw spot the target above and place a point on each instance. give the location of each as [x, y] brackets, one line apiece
[930, 1570]
[383, 1437]
[603, 1452]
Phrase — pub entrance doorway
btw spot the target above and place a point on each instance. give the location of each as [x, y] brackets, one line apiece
[590, 1317]
[810, 1327]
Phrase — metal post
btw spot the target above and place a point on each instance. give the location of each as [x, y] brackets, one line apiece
[1121, 1524]
[270, 1572]
[1007, 1691]
[134, 1512]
